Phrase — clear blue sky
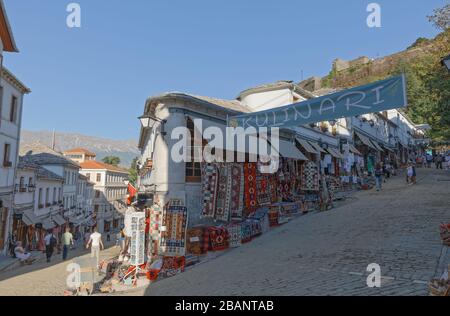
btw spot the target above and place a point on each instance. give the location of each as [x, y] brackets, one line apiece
[95, 80]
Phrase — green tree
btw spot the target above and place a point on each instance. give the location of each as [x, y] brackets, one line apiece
[441, 18]
[112, 160]
[132, 177]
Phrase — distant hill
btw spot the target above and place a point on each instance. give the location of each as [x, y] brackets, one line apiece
[126, 150]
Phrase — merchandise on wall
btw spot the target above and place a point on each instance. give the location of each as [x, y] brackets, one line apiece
[173, 232]
[210, 179]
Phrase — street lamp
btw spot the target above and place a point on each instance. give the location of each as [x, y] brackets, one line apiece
[446, 62]
[148, 121]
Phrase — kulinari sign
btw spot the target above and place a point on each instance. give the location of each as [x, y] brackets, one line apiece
[375, 97]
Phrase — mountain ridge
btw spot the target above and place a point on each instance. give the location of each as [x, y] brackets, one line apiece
[126, 150]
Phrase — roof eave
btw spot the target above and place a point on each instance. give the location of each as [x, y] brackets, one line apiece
[11, 46]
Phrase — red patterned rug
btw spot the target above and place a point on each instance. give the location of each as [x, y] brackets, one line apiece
[219, 238]
[222, 212]
[173, 238]
[251, 200]
[210, 179]
[237, 191]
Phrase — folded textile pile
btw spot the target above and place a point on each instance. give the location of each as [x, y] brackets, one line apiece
[235, 233]
[219, 238]
[197, 240]
[172, 266]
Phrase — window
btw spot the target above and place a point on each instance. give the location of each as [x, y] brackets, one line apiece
[22, 184]
[13, 110]
[47, 197]
[99, 177]
[96, 208]
[54, 195]
[30, 182]
[40, 198]
[97, 194]
[6, 156]
[193, 169]
[88, 176]
[59, 195]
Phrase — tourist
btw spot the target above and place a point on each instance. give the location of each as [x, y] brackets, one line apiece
[50, 244]
[429, 159]
[409, 173]
[378, 176]
[20, 254]
[95, 241]
[438, 161]
[67, 242]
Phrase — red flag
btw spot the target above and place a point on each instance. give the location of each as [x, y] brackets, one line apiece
[131, 193]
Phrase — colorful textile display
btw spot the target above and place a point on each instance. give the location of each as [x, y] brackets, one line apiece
[197, 241]
[192, 260]
[237, 191]
[262, 218]
[222, 212]
[156, 219]
[172, 266]
[210, 179]
[274, 214]
[250, 188]
[263, 189]
[273, 188]
[173, 237]
[310, 177]
[219, 238]
[235, 233]
[246, 231]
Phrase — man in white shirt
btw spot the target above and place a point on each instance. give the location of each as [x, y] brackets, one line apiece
[95, 241]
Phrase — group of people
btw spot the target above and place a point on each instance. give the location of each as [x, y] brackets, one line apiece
[440, 160]
[94, 241]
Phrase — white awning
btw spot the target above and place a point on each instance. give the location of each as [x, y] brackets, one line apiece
[308, 147]
[335, 153]
[375, 143]
[48, 224]
[354, 150]
[59, 219]
[289, 150]
[366, 141]
[29, 218]
[317, 147]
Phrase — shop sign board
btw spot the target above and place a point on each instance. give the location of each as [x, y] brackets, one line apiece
[374, 97]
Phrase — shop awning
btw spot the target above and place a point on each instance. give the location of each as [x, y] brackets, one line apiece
[335, 153]
[388, 148]
[317, 147]
[308, 147]
[29, 218]
[48, 224]
[289, 150]
[375, 143]
[366, 141]
[354, 150]
[59, 219]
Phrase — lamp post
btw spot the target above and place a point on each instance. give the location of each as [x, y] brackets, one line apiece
[148, 121]
[446, 62]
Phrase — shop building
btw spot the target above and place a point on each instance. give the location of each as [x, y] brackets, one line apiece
[12, 93]
[110, 193]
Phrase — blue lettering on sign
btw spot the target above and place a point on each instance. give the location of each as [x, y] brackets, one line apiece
[374, 97]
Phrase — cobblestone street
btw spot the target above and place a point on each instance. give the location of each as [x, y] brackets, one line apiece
[42, 278]
[328, 253]
[317, 254]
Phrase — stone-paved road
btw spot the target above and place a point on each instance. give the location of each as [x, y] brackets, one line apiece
[317, 254]
[328, 253]
[42, 278]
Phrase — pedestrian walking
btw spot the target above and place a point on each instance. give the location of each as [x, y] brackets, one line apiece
[378, 176]
[50, 244]
[96, 244]
[67, 239]
[410, 174]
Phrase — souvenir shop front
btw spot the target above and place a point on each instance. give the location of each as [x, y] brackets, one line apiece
[371, 151]
[238, 204]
